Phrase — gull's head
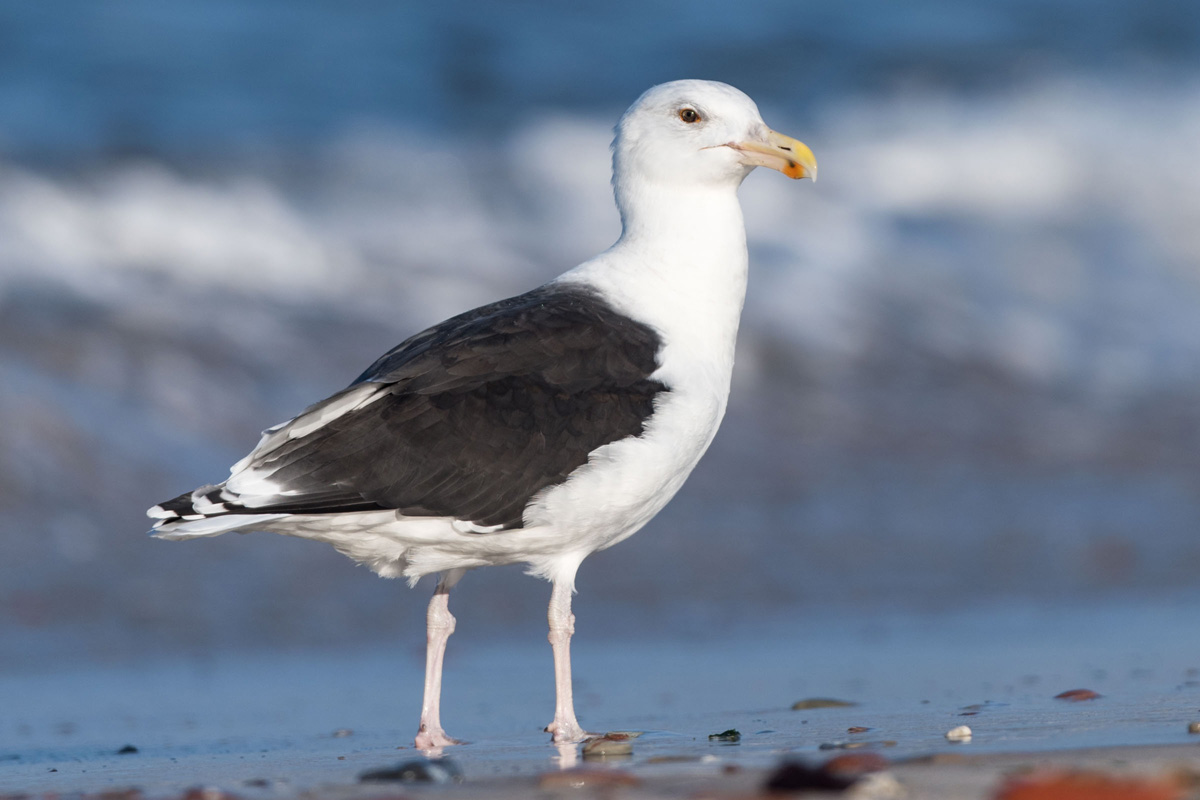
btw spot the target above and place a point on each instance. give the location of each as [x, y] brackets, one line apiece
[698, 133]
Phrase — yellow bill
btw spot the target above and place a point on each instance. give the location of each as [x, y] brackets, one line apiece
[790, 156]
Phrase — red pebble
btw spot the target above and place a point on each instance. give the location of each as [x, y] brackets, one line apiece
[1077, 695]
[1087, 786]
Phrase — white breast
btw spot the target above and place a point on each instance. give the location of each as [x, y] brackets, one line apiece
[625, 483]
[691, 293]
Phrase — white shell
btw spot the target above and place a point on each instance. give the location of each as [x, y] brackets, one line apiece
[960, 734]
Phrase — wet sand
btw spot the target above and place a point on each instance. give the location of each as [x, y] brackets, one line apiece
[284, 725]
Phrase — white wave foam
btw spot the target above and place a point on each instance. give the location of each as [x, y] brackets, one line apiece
[239, 234]
[1051, 231]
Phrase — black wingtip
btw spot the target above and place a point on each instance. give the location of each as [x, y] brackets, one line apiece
[173, 508]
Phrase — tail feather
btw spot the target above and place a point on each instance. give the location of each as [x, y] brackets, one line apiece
[201, 513]
[176, 529]
[184, 505]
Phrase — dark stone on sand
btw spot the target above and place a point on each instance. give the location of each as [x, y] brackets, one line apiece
[820, 702]
[796, 776]
[731, 736]
[419, 770]
[127, 750]
[1077, 695]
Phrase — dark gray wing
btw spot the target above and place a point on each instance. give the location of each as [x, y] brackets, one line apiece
[469, 419]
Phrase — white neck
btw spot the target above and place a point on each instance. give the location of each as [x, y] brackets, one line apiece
[680, 264]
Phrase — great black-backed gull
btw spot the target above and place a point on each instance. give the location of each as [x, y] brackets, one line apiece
[541, 428]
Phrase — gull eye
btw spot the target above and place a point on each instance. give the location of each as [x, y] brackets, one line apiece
[689, 115]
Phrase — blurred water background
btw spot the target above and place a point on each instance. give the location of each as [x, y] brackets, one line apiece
[969, 372]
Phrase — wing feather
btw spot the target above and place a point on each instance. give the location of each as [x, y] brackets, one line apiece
[469, 419]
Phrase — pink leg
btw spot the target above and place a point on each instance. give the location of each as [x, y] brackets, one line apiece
[440, 624]
[565, 727]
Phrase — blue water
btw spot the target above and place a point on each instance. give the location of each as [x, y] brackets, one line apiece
[126, 76]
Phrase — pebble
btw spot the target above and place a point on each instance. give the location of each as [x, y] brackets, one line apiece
[419, 770]
[586, 778]
[127, 750]
[857, 729]
[608, 745]
[820, 702]
[863, 774]
[796, 776]
[1076, 695]
[1194, 727]
[1055, 785]
[960, 734]
[731, 736]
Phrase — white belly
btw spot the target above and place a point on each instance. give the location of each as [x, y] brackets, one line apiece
[627, 482]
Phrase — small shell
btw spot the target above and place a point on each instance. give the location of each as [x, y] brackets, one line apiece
[960, 734]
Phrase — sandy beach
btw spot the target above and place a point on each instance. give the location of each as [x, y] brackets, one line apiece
[310, 724]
